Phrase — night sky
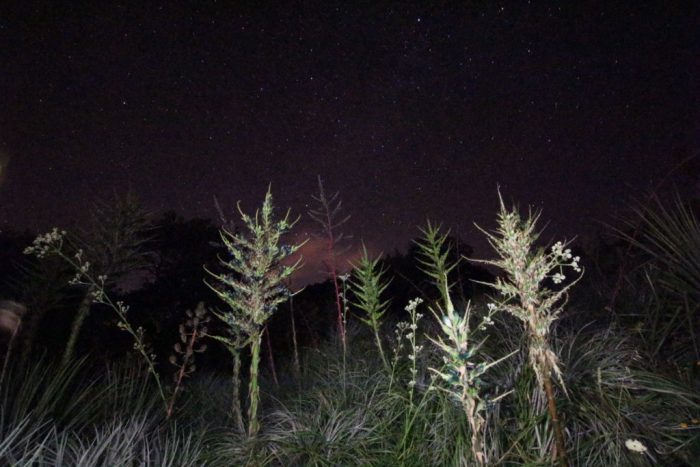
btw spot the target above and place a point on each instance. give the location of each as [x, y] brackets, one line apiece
[412, 111]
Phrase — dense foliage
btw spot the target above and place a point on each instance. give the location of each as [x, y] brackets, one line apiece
[437, 361]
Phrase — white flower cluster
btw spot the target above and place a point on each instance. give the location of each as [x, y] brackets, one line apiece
[412, 357]
[44, 244]
[558, 250]
[81, 277]
[408, 330]
[399, 332]
[558, 278]
[97, 295]
[413, 304]
[564, 257]
[487, 321]
[574, 264]
[82, 268]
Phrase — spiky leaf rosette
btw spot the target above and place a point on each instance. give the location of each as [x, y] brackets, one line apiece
[670, 235]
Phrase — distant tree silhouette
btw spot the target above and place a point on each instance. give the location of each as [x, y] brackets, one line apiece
[173, 282]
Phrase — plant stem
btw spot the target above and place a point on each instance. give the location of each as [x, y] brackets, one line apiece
[379, 346]
[83, 311]
[553, 415]
[476, 422]
[345, 348]
[297, 366]
[271, 357]
[181, 373]
[253, 387]
[236, 411]
[334, 276]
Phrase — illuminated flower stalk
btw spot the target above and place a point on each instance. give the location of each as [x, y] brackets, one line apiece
[525, 296]
[463, 372]
[253, 287]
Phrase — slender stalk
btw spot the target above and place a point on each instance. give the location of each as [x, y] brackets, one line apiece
[378, 340]
[297, 366]
[83, 312]
[333, 268]
[345, 309]
[334, 276]
[253, 387]
[31, 327]
[236, 410]
[95, 291]
[271, 357]
[554, 417]
[181, 373]
[326, 216]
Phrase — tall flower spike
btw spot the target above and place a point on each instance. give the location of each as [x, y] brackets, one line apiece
[253, 286]
[525, 296]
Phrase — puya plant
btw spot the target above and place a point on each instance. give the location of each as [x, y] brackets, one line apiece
[524, 294]
[327, 215]
[367, 285]
[191, 331]
[252, 286]
[463, 370]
